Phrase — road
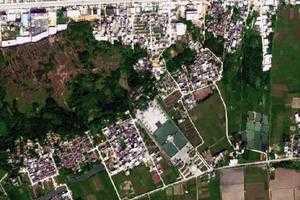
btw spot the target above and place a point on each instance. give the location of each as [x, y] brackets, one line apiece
[6, 5]
[216, 169]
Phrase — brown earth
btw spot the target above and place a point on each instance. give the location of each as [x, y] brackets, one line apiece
[285, 185]
[279, 90]
[97, 183]
[38, 70]
[232, 184]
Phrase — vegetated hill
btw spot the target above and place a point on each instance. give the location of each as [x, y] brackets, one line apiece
[32, 72]
[68, 83]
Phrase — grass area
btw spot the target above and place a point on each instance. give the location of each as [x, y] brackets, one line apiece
[249, 156]
[285, 71]
[177, 55]
[188, 191]
[97, 187]
[166, 194]
[256, 183]
[288, 165]
[137, 182]
[3, 128]
[244, 86]
[214, 188]
[2, 173]
[21, 191]
[171, 173]
[209, 118]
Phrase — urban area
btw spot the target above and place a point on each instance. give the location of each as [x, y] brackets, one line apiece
[150, 99]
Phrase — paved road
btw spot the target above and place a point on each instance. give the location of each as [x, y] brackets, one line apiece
[259, 163]
[61, 3]
[216, 169]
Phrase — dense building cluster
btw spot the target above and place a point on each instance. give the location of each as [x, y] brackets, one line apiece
[205, 70]
[217, 18]
[75, 153]
[124, 148]
[40, 168]
[36, 161]
[234, 30]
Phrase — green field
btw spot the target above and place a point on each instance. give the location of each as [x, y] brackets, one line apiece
[138, 182]
[188, 190]
[244, 86]
[97, 186]
[170, 173]
[22, 191]
[285, 73]
[184, 191]
[209, 118]
[249, 156]
[256, 183]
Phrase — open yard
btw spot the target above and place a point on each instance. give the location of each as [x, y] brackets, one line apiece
[209, 118]
[137, 182]
[285, 72]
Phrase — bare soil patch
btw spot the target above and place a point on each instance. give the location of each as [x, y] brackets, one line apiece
[232, 184]
[279, 90]
[97, 183]
[295, 103]
[285, 184]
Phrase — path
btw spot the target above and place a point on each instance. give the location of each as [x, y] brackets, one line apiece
[226, 115]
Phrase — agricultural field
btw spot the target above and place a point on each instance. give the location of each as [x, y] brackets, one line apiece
[285, 72]
[170, 172]
[232, 183]
[284, 184]
[249, 183]
[256, 183]
[95, 186]
[197, 188]
[138, 181]
[209, 118]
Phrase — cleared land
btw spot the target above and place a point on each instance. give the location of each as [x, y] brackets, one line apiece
[209, 118]
[285, 185]
[232, 184]
[285, 72]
